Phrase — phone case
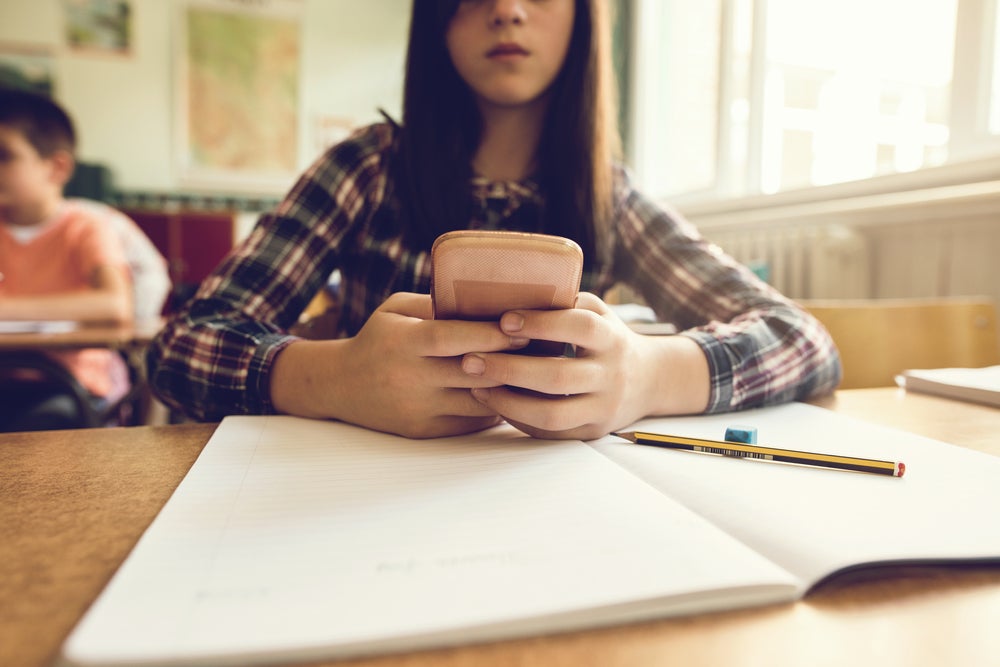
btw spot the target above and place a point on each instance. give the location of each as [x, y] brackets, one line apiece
[479, 275]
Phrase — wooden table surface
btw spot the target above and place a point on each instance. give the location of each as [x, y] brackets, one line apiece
[73, 503]
[115, 337]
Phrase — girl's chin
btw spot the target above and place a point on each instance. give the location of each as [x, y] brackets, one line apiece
[510, 99]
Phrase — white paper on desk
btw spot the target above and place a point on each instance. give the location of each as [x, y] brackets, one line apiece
[814, 521]
[37, 326]
[297, 539]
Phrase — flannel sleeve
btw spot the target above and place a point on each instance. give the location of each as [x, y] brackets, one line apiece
[214, 356]
[762, 348]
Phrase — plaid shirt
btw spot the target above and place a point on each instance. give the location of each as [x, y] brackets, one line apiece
[214, 356]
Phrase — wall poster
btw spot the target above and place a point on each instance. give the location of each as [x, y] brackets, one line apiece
[99, 26]
[26, 67]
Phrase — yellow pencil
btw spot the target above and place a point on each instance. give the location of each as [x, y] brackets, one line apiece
[761, 453]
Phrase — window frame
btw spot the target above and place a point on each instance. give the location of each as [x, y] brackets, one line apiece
[973, 151]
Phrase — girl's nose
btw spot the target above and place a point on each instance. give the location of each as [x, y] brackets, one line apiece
[507, 12]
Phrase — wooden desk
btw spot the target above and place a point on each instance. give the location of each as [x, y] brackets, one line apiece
[72, 505]
[131, 340]
[122, 337]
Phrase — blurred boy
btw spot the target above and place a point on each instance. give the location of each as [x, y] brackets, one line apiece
[57, 262]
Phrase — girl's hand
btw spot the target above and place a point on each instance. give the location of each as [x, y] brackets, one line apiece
[616, 377]
[400, 374]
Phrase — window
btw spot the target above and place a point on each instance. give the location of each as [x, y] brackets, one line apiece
[995, 79]
[677, 70]
[741, 97]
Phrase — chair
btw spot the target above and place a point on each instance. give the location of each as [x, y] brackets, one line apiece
[123, 412]
[878, 338]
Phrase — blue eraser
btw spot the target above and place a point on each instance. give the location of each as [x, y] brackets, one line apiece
[745, 434]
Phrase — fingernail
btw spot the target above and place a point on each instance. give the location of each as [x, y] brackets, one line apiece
[517, 341]
[480, 394]
[512, 322]
[473, 364]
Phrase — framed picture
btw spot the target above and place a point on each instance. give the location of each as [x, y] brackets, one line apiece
[26, 68]
[98, 26]
[238, 94]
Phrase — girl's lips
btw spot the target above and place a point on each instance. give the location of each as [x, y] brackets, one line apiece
[506, 49]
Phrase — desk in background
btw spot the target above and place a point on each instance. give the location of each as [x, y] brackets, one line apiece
[130, 340]
[123, 337]
[72, 505]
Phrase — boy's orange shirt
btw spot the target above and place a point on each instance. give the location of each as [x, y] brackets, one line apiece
[62, 258]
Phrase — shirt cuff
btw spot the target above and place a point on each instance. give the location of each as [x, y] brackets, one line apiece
[258, 396]
[720, 371]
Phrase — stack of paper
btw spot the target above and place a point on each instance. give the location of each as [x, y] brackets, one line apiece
[979, 385]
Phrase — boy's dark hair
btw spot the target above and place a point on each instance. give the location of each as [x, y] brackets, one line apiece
[43, 123]
[441, 131]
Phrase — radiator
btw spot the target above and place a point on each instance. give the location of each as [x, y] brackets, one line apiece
[802, 261]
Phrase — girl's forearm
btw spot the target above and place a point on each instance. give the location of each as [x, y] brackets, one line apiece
[305, 380]
[677, 376]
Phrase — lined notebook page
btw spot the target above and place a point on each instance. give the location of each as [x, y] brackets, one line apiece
[299, 539]
[815, 521]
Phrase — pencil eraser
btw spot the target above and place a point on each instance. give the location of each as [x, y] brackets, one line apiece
[745, 434]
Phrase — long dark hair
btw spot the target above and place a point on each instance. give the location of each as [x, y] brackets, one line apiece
[441, 132]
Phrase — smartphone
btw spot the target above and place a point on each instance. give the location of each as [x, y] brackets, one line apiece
[479, 275]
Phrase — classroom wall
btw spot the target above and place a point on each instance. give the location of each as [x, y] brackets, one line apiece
[352, 62]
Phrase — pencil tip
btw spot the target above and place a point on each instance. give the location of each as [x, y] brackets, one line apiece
[625, 435]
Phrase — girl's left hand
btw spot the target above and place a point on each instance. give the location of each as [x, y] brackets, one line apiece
[611, 382]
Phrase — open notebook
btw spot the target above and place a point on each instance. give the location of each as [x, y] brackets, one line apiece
[292, 539]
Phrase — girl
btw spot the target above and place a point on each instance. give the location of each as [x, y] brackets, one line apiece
[507, 123]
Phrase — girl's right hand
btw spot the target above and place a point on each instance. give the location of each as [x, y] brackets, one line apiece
[401, 374]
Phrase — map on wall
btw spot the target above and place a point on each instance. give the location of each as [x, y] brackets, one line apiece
[239, 96]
